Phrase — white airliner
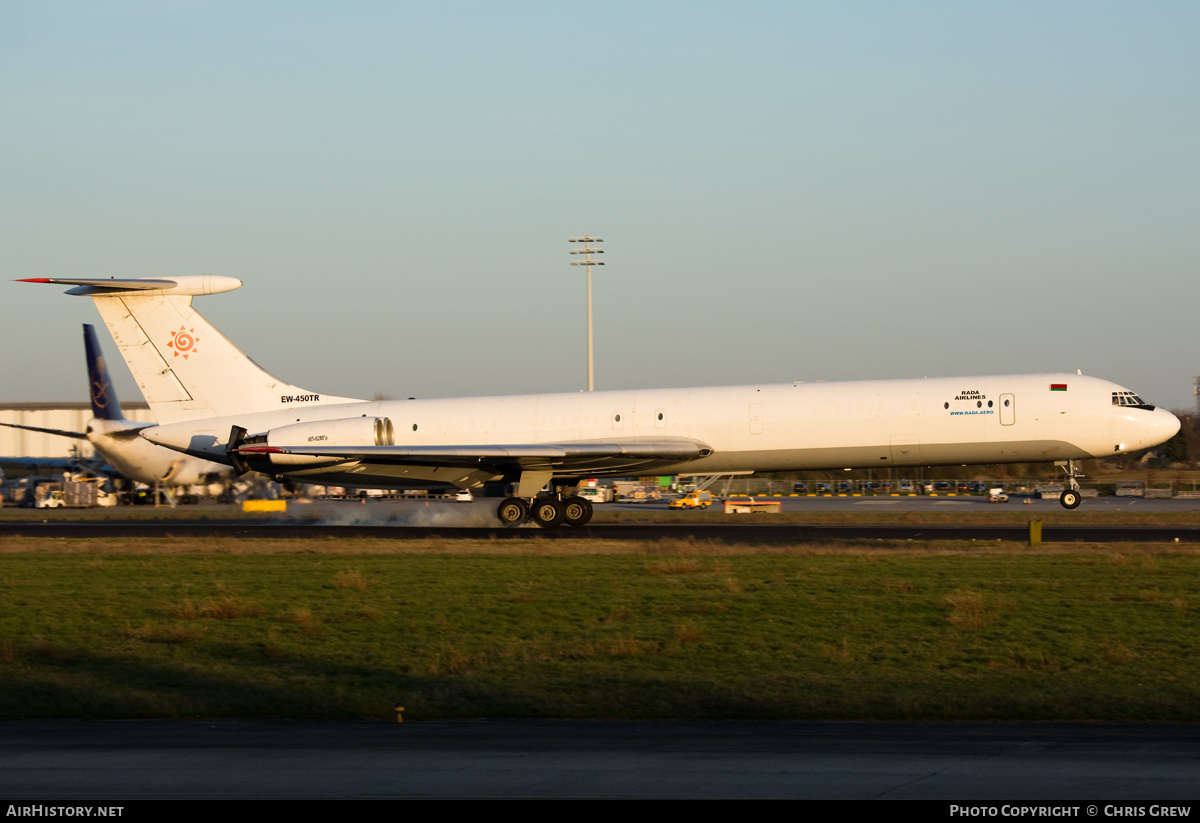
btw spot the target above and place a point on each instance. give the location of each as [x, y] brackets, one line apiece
[214, 402]
[116, 439]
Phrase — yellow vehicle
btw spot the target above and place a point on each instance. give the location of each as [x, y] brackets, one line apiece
[692, 500]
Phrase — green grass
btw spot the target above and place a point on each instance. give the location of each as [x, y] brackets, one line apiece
[670, 630]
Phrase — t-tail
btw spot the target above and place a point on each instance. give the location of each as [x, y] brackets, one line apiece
[105, 405]
[185, 368]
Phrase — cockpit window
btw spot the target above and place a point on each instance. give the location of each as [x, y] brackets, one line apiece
[1128, 398]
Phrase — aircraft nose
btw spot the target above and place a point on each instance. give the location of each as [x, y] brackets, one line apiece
[1138, 430]
[1165, 426]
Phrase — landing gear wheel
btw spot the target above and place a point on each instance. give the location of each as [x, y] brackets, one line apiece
[512, 511]
[577, 511]
[547, 512]
[1070, 499]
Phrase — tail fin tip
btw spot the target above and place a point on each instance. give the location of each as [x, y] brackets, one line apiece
[105, 404]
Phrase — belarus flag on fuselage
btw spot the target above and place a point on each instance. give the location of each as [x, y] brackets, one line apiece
[1058, 387]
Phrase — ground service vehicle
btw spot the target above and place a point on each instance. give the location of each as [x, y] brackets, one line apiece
[692, 500]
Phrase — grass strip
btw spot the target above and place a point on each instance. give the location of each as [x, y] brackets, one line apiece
[677, 629]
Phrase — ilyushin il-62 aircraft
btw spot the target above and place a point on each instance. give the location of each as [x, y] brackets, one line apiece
[214, 402]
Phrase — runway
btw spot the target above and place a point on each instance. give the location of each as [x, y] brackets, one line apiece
[754, 533]
[413, 519]
[567, 759]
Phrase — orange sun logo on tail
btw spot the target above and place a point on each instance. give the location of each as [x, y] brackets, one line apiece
[184, 342]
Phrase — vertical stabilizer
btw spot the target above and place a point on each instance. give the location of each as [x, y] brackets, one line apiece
[105, 405]
[185, 368]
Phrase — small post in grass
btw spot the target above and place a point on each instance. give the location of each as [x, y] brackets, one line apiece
[1035, 532]
[399, 712]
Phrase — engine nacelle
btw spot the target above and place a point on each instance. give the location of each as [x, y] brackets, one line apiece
[350, 431]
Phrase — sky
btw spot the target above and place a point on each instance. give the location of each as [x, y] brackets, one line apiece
[786, 190]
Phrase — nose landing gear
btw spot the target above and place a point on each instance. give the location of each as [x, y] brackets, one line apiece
[1070, 499]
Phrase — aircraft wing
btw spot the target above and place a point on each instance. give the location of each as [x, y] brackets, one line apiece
[581, 457]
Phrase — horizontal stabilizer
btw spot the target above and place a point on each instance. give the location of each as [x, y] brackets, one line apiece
[57, 432]
[111, 284]
[144, 286]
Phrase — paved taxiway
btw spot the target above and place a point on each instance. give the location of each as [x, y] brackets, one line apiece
[1017, 762]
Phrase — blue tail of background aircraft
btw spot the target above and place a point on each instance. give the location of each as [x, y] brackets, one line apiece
[104, 397]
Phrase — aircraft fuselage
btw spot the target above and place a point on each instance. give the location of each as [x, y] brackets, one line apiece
[767, 428]
[135, 458]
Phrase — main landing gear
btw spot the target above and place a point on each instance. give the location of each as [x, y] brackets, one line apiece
[547, 512]
[1070, 499]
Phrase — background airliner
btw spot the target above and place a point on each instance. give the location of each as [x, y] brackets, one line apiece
[214, 402]
[116, 439]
